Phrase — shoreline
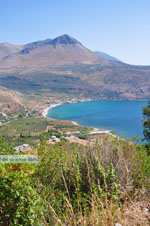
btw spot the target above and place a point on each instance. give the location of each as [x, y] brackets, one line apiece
[45, 112]
[75, 123]
[95, 130]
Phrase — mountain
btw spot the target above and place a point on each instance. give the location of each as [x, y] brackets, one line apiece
[107, 57]
[8, 49]
[64, 40]
[31, 46]
[63, 65]
[42, 55]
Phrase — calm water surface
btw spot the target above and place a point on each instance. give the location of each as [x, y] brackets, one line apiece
[123, 117]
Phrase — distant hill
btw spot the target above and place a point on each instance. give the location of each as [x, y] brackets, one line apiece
[64, 65]
[8, 49]
[106, 56]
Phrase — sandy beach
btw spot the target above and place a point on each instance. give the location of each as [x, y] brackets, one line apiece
[75, 123]
[45, 112]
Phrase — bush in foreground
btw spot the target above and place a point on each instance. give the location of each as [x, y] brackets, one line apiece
[99, 184]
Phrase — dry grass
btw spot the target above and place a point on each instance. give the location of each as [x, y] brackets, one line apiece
[132, 208]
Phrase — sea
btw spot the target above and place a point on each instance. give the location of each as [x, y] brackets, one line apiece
[123, 117]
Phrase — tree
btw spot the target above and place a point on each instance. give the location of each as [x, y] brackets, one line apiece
[146, 124]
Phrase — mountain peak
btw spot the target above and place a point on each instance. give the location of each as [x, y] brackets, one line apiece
[64, 39]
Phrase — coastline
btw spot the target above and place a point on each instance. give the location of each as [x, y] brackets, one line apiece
[45, 112]
[95, 130]
[75, 123]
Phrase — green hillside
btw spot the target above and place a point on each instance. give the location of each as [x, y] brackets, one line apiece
[30, 130]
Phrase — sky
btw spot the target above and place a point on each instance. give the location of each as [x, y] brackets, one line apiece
[120, 28]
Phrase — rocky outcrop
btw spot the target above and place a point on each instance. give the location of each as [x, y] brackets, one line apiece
[10, 106]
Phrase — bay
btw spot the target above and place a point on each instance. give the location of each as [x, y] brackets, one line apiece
[123, 117]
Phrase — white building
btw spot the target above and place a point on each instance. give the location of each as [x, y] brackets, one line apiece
[72, 134]
[22, 148]
[53, 138]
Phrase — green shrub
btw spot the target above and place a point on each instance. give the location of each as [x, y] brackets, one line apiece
[19, 201]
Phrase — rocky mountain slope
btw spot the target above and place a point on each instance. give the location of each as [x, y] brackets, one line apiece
[42, 55]
[64, 65]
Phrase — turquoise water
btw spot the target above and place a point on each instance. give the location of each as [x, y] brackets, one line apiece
[123, 117]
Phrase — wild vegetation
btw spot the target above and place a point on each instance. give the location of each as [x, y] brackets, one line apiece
[146, 124]
[75, 185]
[104, 183]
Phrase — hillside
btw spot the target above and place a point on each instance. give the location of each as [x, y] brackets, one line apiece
[64, 66]
[11, 104]
[107, 56]
[9, 49]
